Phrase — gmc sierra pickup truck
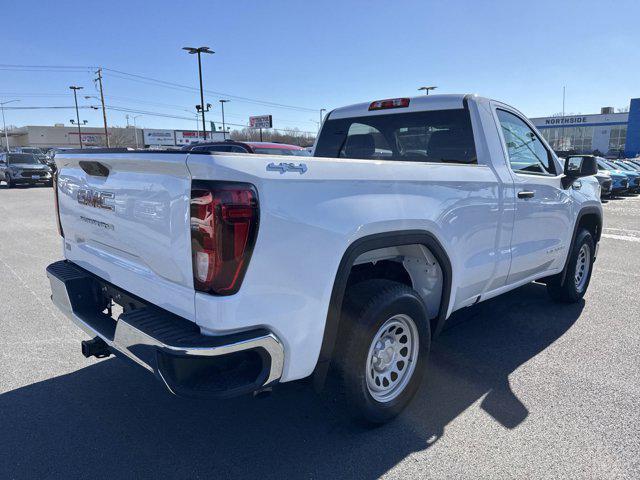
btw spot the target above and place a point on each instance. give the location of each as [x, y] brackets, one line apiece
[225, 274]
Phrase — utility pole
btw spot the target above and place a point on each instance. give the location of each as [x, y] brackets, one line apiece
[75, 98]
[127, 118]
[104, 110]
[564, 88]
[224, 131]
[198, 51]
[4, 124]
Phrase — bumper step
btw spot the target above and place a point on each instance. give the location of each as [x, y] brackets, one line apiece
[172, 347]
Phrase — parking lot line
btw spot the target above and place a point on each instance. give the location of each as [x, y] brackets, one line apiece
[621, 237]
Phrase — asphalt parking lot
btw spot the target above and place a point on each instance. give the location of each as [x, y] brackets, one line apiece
[518, 387]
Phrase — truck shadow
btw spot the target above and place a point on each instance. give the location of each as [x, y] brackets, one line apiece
[110, 420]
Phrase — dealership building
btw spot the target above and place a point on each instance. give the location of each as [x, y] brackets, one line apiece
[68, 137]
[615, 134]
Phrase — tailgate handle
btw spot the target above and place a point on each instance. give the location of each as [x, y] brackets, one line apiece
[95, 169]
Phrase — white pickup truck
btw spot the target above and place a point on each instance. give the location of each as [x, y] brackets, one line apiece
[229, 273]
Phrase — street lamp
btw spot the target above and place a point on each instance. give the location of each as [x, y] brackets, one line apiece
[75, 98]
[426, 89]
[224, 130]
[198, 51]
[4, 125]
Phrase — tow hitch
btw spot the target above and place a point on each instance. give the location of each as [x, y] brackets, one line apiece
[95, 348]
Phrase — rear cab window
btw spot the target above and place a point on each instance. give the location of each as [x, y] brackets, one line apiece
[443, 136]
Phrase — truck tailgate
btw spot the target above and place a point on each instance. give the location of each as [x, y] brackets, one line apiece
[125, 218]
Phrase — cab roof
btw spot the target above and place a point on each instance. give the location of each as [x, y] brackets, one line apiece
[416, 104]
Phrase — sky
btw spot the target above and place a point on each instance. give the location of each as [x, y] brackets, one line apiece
[292, 58]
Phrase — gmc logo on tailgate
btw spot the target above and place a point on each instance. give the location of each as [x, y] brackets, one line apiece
[95, 198]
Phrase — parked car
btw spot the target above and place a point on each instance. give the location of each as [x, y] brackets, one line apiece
[264, 148]
[632, 173]
[635, 165]
[603, 177]
[239, 272]
[619, 179]
[23, 168]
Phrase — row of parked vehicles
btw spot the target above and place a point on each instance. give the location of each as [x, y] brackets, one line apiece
[616, 176]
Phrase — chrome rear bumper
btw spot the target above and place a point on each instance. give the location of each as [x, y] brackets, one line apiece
[163, 343]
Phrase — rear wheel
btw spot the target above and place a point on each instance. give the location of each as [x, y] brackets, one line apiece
[382, 356]
[578, 271]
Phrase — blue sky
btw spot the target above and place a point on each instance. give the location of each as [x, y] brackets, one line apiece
[314, 55]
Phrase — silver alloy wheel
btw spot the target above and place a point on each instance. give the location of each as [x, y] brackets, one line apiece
[582, 267]
[392, 358]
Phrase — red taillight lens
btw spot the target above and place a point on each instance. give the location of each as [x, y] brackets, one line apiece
[389, 103]
[55, 202]
[224, 224]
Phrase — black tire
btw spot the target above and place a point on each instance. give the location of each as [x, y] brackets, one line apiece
[10, 183]
[367, 307]
[571, 291]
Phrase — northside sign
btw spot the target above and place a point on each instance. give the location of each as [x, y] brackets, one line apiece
[565, 120]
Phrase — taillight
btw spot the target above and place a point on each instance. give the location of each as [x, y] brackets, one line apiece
[390, 103]
[55, 202]
[224, 224]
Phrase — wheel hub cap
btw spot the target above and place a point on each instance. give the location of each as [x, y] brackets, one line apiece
[583, 264]
[392, 357]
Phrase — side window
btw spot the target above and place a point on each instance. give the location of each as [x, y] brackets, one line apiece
[526, 152]
[212, 148]
[237, 149]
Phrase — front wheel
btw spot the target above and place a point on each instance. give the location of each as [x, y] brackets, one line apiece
[578, 271]
[383, 355]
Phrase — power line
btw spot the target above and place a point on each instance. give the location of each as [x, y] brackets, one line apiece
[187, 87]
[147, 80]
[141, 112]
[122, 99]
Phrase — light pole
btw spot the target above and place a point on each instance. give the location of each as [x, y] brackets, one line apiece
[426, 89]
[75, 98]
[198, 51]
[224, 131]
[135, 129]
[4, 125]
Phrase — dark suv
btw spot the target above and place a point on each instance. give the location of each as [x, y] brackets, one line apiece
[23, 168]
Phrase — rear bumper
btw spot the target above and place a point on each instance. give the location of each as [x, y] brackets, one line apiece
[171, 347]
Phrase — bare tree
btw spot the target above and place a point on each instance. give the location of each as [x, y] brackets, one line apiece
[291, 136]
[121, 137]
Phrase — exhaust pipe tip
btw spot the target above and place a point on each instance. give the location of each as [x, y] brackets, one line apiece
[95, 347]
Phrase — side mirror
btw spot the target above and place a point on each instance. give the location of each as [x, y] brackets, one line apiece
[577, 167]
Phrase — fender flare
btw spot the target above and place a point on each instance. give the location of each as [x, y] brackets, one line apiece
[588, 210]
[357, 248]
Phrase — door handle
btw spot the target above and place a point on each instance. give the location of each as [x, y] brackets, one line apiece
[526, 194]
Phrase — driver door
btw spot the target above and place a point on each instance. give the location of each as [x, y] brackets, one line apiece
[543, 218]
